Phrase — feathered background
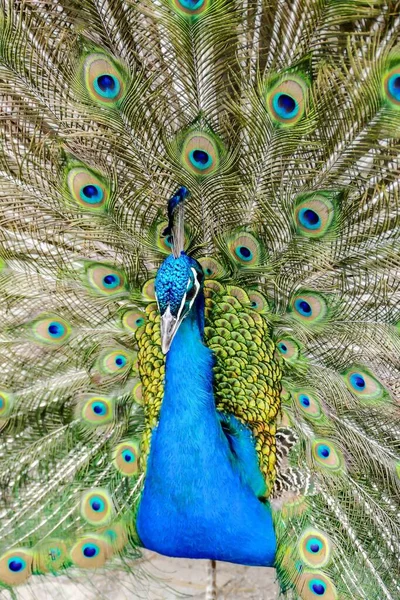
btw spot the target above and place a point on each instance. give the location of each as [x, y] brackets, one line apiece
[183, 81]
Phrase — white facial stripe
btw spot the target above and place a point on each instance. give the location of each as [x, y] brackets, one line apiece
[181, 307]
[197, 286]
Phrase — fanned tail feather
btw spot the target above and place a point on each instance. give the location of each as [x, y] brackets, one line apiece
[283, 121]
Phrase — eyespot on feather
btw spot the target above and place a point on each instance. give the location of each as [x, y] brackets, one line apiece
[315, 548]
[200, 153]
[96, 410]
[88, 190]
[116, 535]
[103, 80]
[114, 362]
[315, 586]
[90, 552]
[314, 215]
[190, 8]
[96, 506]
[15, 566]
[308, 307]
[326, 455]
[363, 384]
[288, 348]
[132, 320]
[391, 86]
[125, 458]
[106, 280]
[307, 404]
[244, 249]
[6, 403]
[212, 269]
[286, 100]
[51, 330]
[50, 556]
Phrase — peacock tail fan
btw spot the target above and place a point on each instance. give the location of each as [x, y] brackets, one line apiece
[282, 119]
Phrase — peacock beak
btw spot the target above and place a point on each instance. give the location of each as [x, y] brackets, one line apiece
[169, 327]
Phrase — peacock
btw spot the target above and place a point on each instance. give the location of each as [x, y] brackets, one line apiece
[200, 289]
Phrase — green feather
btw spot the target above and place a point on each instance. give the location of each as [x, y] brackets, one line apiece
[283, 120]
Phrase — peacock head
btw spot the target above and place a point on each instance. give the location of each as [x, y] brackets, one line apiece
[178, 283]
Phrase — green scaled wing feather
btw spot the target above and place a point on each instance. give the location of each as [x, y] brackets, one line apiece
[246, 372]
[108, 107]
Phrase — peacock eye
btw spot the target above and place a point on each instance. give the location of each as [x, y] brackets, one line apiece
[245, 249]
[200, 154]
[107, 85]
[50, 330]
[89, 190]
[105, 280]
[103, 79]
[191, 8]
[394, 86]
[244, 253]
[285, 106]
[92, 193]
[391, 82]
[200, 159]
[287, 100]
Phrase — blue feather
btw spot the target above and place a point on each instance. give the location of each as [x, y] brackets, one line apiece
[180, 195]
[196, 502]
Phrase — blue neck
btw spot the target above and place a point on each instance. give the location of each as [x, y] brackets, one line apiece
[195, 502]
[188, 391]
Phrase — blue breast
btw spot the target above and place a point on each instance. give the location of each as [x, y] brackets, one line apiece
[196, 502]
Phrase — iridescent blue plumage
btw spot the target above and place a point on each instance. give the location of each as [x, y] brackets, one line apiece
[202, 488]
[180, 195]
[175, 278]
